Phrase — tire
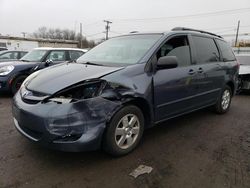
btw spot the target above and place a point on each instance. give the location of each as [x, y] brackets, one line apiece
[16, 84]
[223, 103]
[121, 137]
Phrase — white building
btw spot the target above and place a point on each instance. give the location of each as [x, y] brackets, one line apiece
[20, 43]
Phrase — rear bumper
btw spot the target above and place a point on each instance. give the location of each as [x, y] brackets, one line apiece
[67, 127]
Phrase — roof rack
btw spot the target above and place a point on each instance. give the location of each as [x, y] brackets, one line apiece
[196, 30]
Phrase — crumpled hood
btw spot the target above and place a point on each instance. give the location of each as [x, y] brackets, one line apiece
[56, 78]
[244, 69]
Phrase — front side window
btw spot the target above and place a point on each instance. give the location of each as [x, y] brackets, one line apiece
[226, 50]
[179, 47]
[73, 55]
[34, 55]
[22, 54]
[9, 55]
[56, 56]
[206, 50]
[121, 51]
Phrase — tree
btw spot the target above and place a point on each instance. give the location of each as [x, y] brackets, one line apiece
[62, 34]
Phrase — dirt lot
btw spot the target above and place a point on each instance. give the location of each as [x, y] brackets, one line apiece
[201, 150]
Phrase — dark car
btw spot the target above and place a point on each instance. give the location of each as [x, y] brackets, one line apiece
[123, 86]
[10, 55]
[13, 73]
[244, 72]
[3, 48]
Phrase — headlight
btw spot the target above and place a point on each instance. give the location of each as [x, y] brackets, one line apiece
[6, 70]
[85, 90]
[29, 78]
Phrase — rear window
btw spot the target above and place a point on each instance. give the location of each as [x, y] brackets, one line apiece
[206, 50]
[226, 50]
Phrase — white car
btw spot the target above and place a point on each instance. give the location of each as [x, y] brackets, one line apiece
[244, 72]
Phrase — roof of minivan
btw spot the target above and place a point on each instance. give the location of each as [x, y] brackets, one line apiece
[191, 31]
[51, 48]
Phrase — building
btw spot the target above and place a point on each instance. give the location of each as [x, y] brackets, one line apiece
[20, 43]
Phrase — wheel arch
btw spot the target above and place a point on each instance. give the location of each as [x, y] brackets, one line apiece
[232, 86]
[145, 107]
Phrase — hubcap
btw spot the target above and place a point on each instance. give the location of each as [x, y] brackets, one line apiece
[226, 97]
[127, 131]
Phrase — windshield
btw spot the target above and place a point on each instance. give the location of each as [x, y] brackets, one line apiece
[34, 55]
[244, 60]
[120, 51]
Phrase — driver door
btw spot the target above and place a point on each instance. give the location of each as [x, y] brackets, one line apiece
[174, 88]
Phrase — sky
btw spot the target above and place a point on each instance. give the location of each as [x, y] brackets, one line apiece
[219, 16]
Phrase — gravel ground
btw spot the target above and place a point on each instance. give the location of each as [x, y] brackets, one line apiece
[202, 150]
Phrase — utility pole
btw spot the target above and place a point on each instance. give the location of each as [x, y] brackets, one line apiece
[80, 35]
[107, 28]
[24, 34]
[237, 34]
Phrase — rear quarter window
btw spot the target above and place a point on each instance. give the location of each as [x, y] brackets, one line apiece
[206, 50]
[226, 51]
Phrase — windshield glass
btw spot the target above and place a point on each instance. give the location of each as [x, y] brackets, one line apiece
[34, 55]
[120, 51]
[244, 60]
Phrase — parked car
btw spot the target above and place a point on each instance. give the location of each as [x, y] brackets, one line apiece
[10, 55]
[13, 73]
[3, 48]
[244, 72]
[123, 86]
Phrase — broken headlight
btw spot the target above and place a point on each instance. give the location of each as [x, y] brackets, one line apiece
[77, 92]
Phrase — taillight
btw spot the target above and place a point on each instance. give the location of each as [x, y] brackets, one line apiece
[238, 64]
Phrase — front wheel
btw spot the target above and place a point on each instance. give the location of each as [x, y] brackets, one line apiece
[223, 103]
[16, 84]
[124, 131]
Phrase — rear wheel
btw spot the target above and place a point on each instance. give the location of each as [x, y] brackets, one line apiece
[124, 131]
[223, 103]
[16, 84]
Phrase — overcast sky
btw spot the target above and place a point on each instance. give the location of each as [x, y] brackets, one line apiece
[18, 16]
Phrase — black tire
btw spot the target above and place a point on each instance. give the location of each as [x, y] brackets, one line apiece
[218, 107]
[16, 83]
[110, 143]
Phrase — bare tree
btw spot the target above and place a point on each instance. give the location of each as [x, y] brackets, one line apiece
[64, 34]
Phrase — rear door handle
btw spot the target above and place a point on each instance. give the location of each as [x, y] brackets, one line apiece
[191, 72]
[200, 70]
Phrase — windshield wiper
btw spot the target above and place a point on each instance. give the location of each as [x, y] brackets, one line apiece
[90, 63]
[24, 60]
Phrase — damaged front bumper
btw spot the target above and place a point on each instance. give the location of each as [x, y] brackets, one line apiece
[73, 127]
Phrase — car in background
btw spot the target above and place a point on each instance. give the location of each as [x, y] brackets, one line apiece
[13, 73]
[244, 72]
[123, 86]
[10, 55]
[3, 48]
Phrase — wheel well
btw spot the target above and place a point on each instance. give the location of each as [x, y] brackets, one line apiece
[231, 85]
[143, 105]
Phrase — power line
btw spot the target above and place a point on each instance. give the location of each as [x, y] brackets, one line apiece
[232, 11]
[94, 34]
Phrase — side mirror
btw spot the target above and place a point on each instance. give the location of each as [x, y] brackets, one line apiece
[167, 62]
[48, 62]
